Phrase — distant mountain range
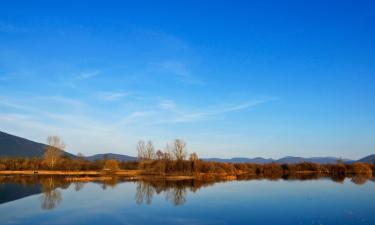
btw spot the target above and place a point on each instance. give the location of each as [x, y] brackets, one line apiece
[119, 157]
[240, 160]
[285, 160]
[13, 146]
[368, 159]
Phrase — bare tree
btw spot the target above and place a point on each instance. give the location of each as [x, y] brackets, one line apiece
[159, 154]
[150, 150]
[54, 150]
[195, 164]
[168, 155]
[193, 157]
[141, 149]
[51, 197]
[179, 149]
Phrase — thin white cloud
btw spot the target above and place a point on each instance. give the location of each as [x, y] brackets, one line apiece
[209, 114]
[168, 112]
[111, 96]
[179, 70]
[42, 112]
[10, 103]
[167, 104]
[60, 99]
[86, 75]
[135, 117]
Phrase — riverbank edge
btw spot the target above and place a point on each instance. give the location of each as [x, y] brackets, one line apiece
[86, 176]
[133, 174]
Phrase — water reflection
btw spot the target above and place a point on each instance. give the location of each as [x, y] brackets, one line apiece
[50, 199]
[78, 186]
[174, 191]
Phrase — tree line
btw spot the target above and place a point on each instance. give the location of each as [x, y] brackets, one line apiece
[173, 159]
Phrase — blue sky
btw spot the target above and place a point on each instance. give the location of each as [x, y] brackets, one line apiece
[235, 78]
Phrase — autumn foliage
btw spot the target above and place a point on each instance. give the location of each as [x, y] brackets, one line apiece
[175, 160]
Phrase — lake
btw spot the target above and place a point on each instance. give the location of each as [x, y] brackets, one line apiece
[259, 201]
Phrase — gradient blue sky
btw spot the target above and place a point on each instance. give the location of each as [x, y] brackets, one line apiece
[241, 78]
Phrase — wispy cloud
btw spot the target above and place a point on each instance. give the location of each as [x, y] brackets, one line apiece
[168, 112]
[82, 76]
[60, 99]
[10, 103]
[179, 70]
[111, 96]
[45, 107]
[167, 104]
[136, 117]
[209, 114]
[87, 75]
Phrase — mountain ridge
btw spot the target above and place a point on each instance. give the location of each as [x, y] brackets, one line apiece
[284, 160]
[14, 146]
[119, 157]
[368, 159]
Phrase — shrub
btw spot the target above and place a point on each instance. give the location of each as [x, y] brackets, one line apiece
[3, 167]
[360, 169]
[111, 165]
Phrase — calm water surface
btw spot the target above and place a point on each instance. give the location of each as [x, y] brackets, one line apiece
[311, 202]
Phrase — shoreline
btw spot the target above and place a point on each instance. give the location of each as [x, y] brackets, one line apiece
[144, 174]
[134, 175]
[129, 174]
[68, 172]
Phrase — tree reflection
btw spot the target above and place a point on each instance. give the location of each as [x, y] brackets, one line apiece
[78, 186]
[360, 180]
[108, 182]
[176, 195]
[51, 196]
[174, 191]
[145, 193]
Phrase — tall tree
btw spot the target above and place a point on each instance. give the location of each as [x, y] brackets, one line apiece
[54, 150]
[195, 164]
[193, 157]
[179, 149]
[159, 154]
[168, 155]
[141, 149]
[150, 150]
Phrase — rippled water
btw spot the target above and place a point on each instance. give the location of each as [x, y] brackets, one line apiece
[51, 201]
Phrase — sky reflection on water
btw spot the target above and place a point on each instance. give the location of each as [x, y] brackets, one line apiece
[236, 202]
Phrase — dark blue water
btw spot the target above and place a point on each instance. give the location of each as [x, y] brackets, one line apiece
[312, 202]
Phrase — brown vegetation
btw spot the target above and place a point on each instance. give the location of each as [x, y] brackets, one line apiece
[111, 165]
[191, 167]
[173, 162]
